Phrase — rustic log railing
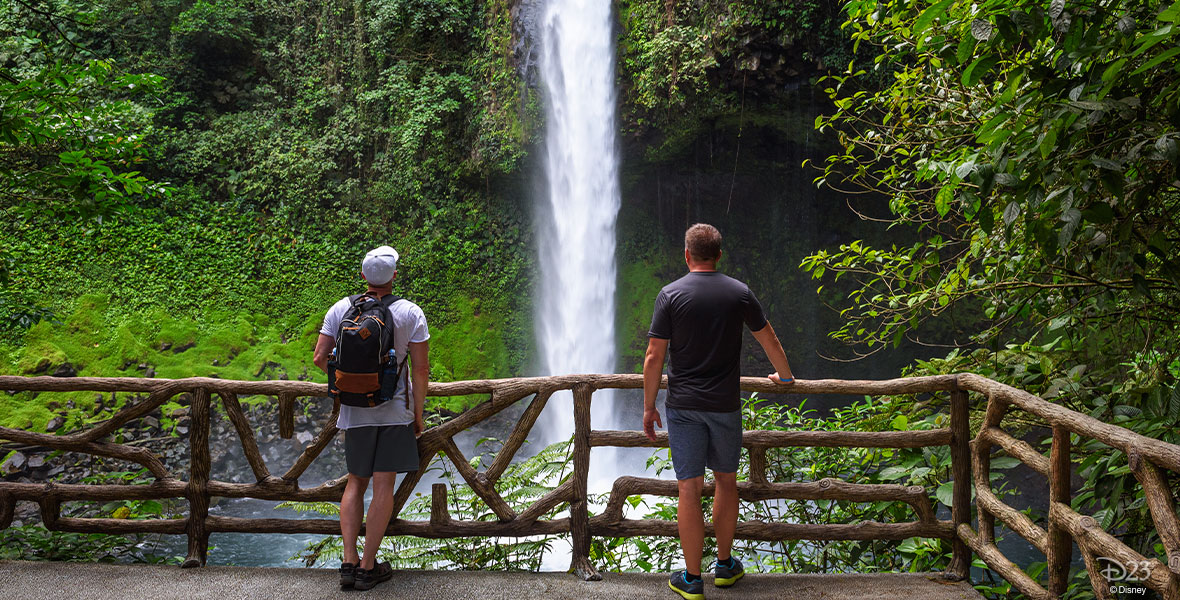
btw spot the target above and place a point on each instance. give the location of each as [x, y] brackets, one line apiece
[970, 470]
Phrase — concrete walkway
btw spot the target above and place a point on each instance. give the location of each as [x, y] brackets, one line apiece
[85, 581]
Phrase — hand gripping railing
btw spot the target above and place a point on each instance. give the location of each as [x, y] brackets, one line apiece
[1145, 454]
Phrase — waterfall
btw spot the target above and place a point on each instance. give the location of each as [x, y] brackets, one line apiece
[576, 232]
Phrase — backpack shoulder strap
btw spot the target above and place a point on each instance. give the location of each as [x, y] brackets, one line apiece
[387, 301]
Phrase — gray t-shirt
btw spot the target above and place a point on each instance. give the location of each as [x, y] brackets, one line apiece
[410, 326]
[701, 315]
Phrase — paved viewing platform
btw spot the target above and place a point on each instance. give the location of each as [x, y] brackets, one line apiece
[84, 581]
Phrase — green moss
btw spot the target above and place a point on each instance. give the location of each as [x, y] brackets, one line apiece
[40, 352]
[639, 284]
[470, 347]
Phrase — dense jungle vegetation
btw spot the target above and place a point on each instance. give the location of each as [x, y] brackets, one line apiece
[185, 182]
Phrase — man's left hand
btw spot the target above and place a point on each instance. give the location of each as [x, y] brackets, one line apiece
[775, 377]
[419, 426]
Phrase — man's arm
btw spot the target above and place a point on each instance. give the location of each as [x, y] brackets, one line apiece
[653, 372]
[323, 349]
[420, 375]
[774, 351]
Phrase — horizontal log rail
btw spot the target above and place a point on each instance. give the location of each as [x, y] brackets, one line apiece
[1149, 459]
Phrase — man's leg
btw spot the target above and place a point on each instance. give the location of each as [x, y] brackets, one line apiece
[691, 523]
[352, 508]
[725, 512]
[380, 510]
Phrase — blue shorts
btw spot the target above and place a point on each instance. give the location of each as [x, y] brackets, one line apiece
[700, 439]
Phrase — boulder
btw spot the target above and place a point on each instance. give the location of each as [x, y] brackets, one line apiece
[14, 464]
[55, 423]
[65, 370]
[304, 437]
[36, 461]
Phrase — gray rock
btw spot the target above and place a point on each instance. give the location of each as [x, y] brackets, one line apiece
[151, 422]
[55, 423]
[36, 461]
[65, 370]
[304, 437]
[14, 464]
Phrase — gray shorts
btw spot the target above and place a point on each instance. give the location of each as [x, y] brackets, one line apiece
[387, 448]
[700, 439]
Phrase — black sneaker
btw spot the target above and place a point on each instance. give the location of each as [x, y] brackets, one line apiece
[689, 590]
[728, 575]
[347, 575]
[367, 578]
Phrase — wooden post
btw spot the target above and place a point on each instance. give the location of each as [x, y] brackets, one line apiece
[7, 510]
[1163, 510]
[286, 416]
[439, 515]
[960, 565]
[579, 516]
[198, 483]
[1059, 550]
[758, 464]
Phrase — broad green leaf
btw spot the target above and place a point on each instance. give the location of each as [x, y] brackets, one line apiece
[1170, 14]
[946, 493]
[1048, 143]
[942, 202]
[1011, 212]
[1004, 462]
[1069, 227]
[978, 68]
[930, 14]
[1113, 70]
[1163, 56]
[1106, 163]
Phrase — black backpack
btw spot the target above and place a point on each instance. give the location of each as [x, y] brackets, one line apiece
[364, 368]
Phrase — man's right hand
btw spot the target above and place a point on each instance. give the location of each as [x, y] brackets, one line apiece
[651, 420]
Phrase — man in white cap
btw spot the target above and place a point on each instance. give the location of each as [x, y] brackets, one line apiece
[379, 441]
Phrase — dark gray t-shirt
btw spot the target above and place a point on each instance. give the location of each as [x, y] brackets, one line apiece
[701, 315]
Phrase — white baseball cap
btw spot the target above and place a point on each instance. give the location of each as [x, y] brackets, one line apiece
[379, 265]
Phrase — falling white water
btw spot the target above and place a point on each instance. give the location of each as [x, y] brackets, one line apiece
[576, 316]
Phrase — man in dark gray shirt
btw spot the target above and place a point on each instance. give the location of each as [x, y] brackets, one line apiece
[699, 319]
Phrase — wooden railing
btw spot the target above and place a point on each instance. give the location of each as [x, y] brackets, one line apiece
[1064, 525]
[1146, 455]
